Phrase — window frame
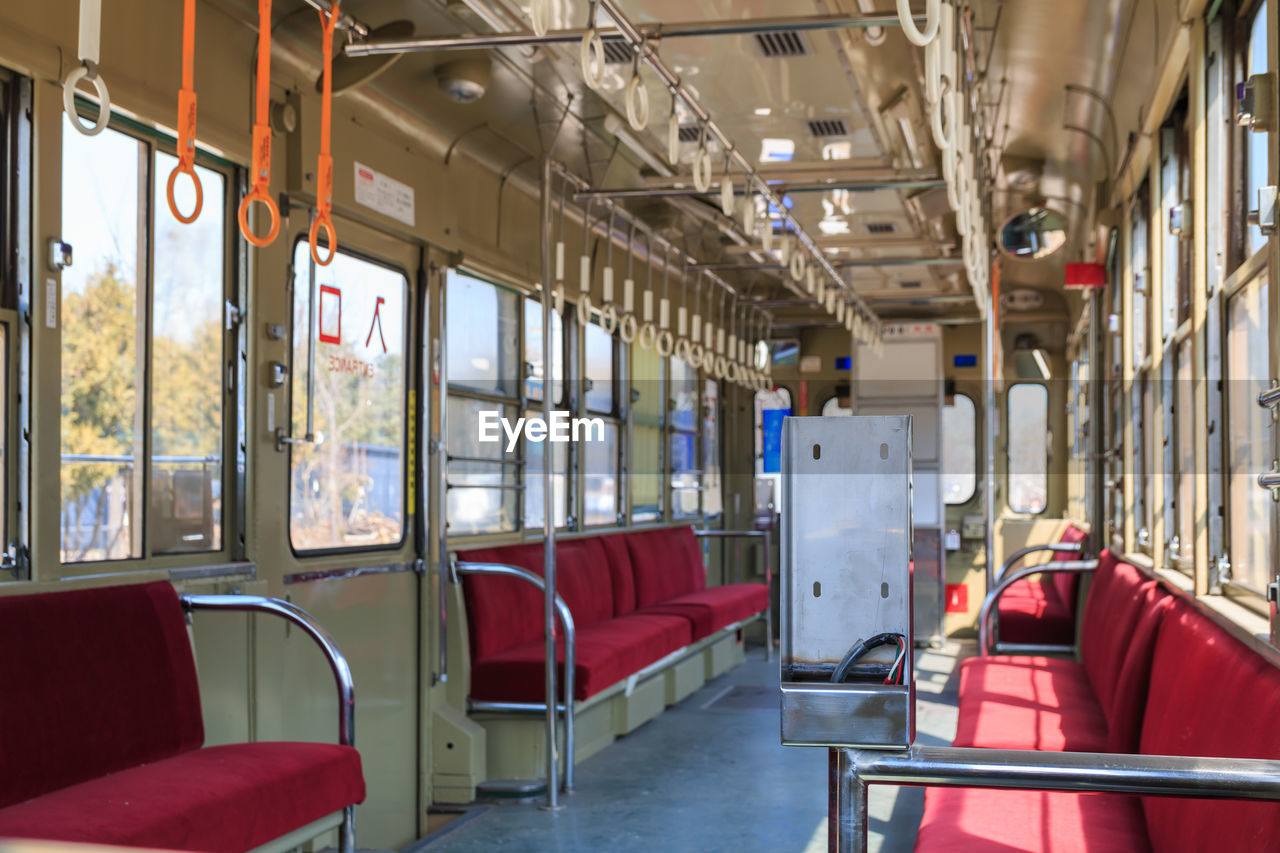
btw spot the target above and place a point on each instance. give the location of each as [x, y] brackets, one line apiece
[616, 418]
[406, 511]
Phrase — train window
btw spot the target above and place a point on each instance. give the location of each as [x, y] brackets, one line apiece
[483, 340]
[770, 408]
[347, 486]
[103, 195]
[1183, 548]
[186, 396]
[685, 473]
[1248, 437]
[1145, 510]
[1028, 447]
[959, 450]
[712, 499]
[483, 336]
[600, 459]
[534, 454]
[1139, 259]
[1255, 143]
[645, 468]
[534, 364]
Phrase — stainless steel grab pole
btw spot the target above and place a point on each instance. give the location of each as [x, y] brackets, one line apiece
[548, 500]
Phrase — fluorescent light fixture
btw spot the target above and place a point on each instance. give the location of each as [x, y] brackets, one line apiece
[833, 225]
[842, 150]
[763, 111]
[1042, 363]
[777, 150]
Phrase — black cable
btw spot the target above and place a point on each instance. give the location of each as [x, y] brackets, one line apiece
[859, 649]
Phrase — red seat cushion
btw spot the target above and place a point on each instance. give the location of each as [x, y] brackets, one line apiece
[1210, 695]
[606, 653]
[94, 681]
[223, 798]
[708, 610]
[1031, 611]
[1029, 703]
[667, 563]
[972, 820]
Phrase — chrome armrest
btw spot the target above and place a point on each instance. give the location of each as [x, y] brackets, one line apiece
[993, 597]
[1017, 556]
[312, 628]
[570, 649]
[765, 536]
[1159, 775]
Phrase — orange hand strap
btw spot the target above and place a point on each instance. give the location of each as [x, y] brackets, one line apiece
[261, 162]
[187, 118]
[324, 168]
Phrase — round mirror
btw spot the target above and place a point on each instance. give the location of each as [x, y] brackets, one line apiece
[1035, 234]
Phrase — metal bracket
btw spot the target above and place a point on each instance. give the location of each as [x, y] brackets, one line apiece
[234, 316]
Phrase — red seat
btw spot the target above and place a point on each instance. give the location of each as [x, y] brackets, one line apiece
[711, 609]
[974, 820]
[605, 654]
[221, 798]
[101, 729]
[1042, 609]
[1029, 703]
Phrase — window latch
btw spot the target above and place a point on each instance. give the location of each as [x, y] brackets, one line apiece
[1254, 99]
[1271, 480]
[1273, 591]
[233, 316]
[1265, 216]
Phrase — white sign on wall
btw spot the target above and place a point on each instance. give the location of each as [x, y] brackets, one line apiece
[386, 195]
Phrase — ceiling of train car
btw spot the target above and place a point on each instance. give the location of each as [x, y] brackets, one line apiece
[837, 106]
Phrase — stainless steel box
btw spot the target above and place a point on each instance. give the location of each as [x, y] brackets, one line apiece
[845, 577]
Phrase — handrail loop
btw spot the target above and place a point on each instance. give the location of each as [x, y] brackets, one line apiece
[187, 120]
[324, 164]
[90, 41]
[260, 192]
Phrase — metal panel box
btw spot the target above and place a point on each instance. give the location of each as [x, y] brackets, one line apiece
[845, 578]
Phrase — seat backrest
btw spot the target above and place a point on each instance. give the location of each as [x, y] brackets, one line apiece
[1210, 695]
[1121, 615]
[93, 681]
[1067, 584]
[624, 578]
[504, 612]
[667, 563]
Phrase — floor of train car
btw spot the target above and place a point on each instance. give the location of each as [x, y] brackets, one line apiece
[710, 775]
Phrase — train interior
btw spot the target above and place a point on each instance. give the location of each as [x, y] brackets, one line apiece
[459, 425]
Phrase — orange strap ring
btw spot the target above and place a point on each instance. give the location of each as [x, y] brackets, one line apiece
[187, 118]
[324, 166]
[261, 162]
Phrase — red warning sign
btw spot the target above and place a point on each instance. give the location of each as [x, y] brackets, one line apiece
[377, 322]
[331, 329]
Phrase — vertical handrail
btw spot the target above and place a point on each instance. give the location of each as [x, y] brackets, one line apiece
[441, 357]
[337, 664]
[548, 501]
[570, 656]
[766, 538]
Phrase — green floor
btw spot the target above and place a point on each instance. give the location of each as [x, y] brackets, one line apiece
[710, 775]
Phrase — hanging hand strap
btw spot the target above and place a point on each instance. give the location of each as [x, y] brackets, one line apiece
[187, 118]
[261, 162]
[90, 34]
[324, 169]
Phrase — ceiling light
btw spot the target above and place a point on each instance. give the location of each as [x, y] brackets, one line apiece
[777, 150]
[763, 111]
[831, 226]
[842, 150]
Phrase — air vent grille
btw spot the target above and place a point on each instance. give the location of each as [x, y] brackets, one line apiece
[881, 228]
[825, 128]
[689, 132]
[782, 45]
[618, 52]
[909, 285]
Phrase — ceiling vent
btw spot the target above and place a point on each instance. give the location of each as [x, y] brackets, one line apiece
[826, 128]
[909, 285]
[782, 45]
[618, 52]
[881, 228]
[690, 132]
